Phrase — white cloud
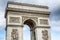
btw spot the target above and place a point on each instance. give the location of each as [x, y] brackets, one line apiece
[2, 20]
[55, 26]
[39, 2]
[55, 30]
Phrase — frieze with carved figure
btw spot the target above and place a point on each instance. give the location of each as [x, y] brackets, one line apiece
[14, 34]
[45, 35]
[14, 20]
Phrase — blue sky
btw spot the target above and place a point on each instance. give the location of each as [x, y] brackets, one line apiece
[54, 7]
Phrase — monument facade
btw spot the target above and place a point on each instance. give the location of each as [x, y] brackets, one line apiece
[36, 16]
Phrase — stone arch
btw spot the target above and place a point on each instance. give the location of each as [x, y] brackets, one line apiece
[36, 16]
[31, 23]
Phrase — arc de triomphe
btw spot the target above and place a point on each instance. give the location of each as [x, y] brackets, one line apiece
[35, 16]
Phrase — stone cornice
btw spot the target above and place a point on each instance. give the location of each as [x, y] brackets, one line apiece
[40, 27]
[25, 4]
[26, 11]
[13, 26]
[29, 11]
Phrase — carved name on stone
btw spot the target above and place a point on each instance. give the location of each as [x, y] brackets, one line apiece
[14, 20]
[45, 35]
[14, 34]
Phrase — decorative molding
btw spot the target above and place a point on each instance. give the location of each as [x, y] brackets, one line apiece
[29, 14]
[24, 18]
[48, 27]
[27, 11]
[13, 26]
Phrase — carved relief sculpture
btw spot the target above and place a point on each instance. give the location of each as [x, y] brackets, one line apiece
[45, 35]
[14, 34]
[44, 21]
[25, 18]
[14, 20]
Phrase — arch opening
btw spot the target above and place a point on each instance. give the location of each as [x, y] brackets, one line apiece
[30, 23]
[28, 30]
[26, 33]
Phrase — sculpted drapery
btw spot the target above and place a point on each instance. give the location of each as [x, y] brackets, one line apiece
[14, 34]
[45, 35]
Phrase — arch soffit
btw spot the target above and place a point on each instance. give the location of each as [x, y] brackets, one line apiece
[30, 22]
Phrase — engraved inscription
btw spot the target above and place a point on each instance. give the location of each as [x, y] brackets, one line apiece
[14, 34]
[14, 20]
[45, 35]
